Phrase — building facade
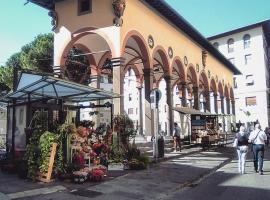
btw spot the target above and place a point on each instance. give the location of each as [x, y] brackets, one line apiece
[248, 49]
[148, 45]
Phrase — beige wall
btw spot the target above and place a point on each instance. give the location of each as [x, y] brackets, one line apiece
[147, 22]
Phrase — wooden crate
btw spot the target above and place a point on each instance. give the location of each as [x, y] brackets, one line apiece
[47, 177]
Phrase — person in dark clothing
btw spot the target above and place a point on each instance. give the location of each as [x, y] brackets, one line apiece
[176, 137]
[241, 144]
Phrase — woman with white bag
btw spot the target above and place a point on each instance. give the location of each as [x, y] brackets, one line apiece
[241, 144]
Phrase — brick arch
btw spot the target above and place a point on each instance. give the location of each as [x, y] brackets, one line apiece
[164, 57]
[193, 75]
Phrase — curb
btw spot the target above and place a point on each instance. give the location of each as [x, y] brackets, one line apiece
[4, 197]
[195, 181]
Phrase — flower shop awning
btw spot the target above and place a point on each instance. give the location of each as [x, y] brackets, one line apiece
[38, 86]
[191, 111]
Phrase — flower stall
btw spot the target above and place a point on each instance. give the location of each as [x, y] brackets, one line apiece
[41, 113]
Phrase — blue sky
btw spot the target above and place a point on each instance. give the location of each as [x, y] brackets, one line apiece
[20, 24]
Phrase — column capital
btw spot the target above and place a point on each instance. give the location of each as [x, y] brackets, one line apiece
[195, 88]
[168, 77]
[147, 71]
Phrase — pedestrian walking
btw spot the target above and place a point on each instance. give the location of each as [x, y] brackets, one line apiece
[267, 132]
[176, 137]
[241, 144]
[258, 139]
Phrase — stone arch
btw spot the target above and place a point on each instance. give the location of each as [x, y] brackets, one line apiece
[226, 91]
[213, 85]
[139, 77]
[178, 71]
[142, 45]
[220, 89]
[164, 62]
[231, 93]
[203, 81]
[75, 36]
[191, 75]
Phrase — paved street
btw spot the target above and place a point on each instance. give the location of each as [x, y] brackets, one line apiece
[199, 175]
[226, 184]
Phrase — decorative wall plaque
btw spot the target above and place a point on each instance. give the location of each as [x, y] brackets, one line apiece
[197, 68]
[185, 61]
[118, 8]
[204, 56]
[151, 41]
[170, 52]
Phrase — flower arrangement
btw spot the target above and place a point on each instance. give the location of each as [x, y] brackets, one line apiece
[96, 175]
[78, 160]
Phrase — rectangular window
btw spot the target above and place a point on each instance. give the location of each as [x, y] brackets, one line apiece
[234, 83]
[251, 101]
[129, 97]
[130, 111]
[165, 108]
[84, 7]
[247, 59]
[231, 60]
[249, 80]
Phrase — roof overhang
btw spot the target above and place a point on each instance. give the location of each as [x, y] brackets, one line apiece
[48, 4]
[35, 87]
[192, 111]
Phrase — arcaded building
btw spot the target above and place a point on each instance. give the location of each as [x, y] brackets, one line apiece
[134, 46]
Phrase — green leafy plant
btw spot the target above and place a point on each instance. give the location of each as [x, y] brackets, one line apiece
[32, 153]
[45, 144]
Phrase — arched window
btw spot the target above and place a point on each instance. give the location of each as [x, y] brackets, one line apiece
[230, 45]
[246, 40]
[216, 45]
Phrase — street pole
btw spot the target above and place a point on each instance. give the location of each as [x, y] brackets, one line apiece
[15, 82]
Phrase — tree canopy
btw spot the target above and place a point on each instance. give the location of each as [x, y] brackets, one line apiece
[37, 56]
